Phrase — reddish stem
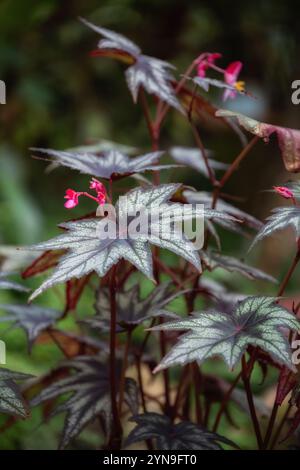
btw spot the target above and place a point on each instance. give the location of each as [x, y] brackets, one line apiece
[116, 436]
[246, 380]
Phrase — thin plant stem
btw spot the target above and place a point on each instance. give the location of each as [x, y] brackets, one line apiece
[141, 388]
[181, 384]
[178, 88]
[225, 401]
[247, 385]
[234, 165]
[281, 290]
[289, 273]
[116, 436]
[123, 372]
[280, 427]
[201, 147]
[197, 380]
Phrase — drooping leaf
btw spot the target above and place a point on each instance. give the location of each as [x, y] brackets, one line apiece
[131, 309]
[32, 318]
[224, 299]
[110, 164]
[168, 436]
[256, 321]
[193, 158]
[206, 83]
[89, 382]
[145, 72]
[214, 260]
[88, 251]
[281, 218]
[288, 139]
[202, 197]
[7, 284]
[11, 399]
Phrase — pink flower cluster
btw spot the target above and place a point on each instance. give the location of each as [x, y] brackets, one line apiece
[230, 74]
[72, 196]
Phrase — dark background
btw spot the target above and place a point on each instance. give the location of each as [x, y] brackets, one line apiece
[60, 97]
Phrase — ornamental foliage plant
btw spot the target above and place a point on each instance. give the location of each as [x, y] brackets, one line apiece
[141, 369]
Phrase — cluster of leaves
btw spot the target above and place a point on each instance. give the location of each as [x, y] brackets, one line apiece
[100, 377]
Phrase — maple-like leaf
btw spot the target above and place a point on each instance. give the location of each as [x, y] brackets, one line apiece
[89, 383]
[11, 399]
[32, 318]
[131, 309]
[214, 260]
[280, 219]
[193, 158]
[7, 284]
[111, 164]
[89, 252]
[288, 139]
[168, 436]
[146, 72]
[256, 321]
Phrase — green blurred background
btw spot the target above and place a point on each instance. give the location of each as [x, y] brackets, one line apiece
[60, 97]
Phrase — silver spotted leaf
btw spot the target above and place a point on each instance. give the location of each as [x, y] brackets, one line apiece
[88, 381]
[131, 309]
[34, 319]
[7, 284]
[280, 219]
[89, 249]
[149, 73]
[214, 260]
[256, 321]
[168, 436]
[193, 158]
[11, 399]
[110, 164]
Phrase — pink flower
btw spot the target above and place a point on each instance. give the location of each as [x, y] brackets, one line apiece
[100, 190]
[231, 74]
[284, 192]
[72, 198]
[205, 61]
[97, 186]
[101, 197]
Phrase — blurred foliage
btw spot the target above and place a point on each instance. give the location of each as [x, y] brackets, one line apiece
[60, 97]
